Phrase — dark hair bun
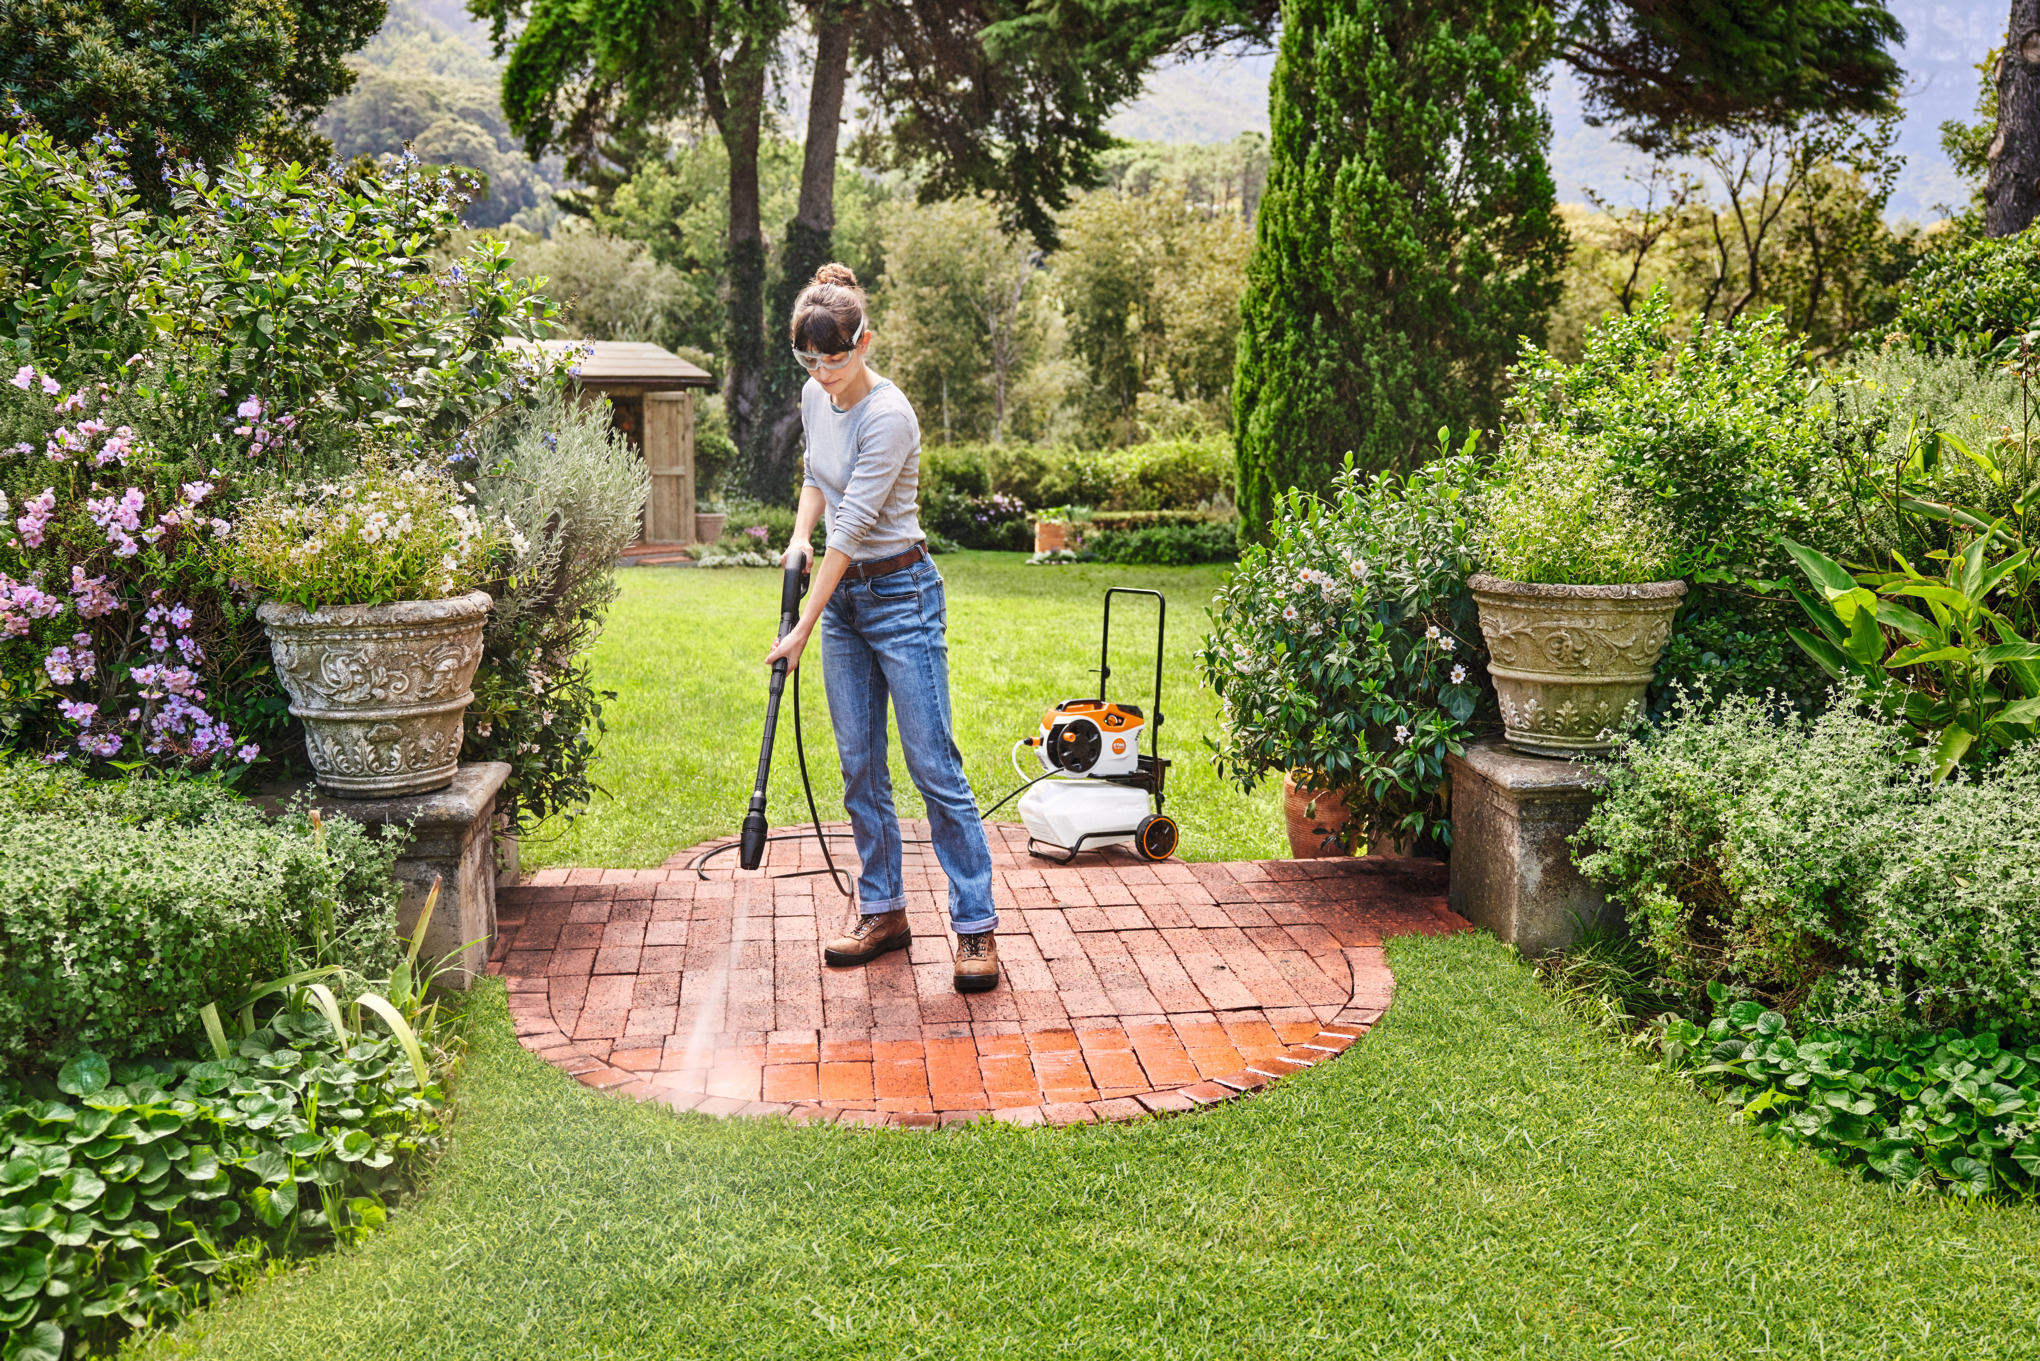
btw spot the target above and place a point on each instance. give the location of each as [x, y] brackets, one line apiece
[836, 274]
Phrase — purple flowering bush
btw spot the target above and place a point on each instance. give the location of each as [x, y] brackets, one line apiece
[256, 339]
[118, 637]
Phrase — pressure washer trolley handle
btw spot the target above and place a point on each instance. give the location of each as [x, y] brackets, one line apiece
[1105, 655]
[792, 587]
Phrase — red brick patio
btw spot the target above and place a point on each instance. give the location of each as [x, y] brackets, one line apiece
[1129, 988]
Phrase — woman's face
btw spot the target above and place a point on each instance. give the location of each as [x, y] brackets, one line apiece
[835, 381]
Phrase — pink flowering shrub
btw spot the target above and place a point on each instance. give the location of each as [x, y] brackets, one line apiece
[250, 341]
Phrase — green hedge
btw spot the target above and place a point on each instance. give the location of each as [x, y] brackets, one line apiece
[1168, 475]
[126, 906]
[1165, 545]
[1974, 297]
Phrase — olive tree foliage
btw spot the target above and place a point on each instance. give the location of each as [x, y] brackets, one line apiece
[959, 315]
[1149, 288]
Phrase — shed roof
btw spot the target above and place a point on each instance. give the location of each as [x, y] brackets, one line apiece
[634, 362]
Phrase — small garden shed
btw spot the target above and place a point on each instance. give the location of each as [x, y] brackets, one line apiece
[651, 391]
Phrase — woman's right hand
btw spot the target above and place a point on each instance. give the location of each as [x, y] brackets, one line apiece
[797, 552]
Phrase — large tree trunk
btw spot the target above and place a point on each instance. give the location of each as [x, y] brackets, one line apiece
[773, 468]
[736, 98]
[2011, 192]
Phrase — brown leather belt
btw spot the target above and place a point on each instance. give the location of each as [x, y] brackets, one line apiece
[885, 567]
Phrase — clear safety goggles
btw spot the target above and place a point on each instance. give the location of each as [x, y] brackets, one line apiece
[812, 360]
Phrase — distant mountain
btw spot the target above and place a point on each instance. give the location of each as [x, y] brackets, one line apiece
[427, 79]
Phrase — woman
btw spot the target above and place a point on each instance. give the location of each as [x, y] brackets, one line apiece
[879, 602]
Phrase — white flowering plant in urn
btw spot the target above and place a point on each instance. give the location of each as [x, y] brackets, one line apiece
[1576, 604]
[375, 620]
[1345, 652]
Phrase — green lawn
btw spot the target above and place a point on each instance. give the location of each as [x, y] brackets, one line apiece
[1480, 1177]
[683, 650]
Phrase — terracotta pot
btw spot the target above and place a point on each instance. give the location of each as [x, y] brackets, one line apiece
[382, 689]
[1571, 663]
[708, 525]
[1313, 819]
[1050, 536]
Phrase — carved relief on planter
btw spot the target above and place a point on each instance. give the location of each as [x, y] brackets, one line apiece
[1571, 663]
[382, 690]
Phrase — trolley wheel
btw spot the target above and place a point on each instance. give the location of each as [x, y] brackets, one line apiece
[1156, 837]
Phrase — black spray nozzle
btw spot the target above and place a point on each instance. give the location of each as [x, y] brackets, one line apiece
[751, 852]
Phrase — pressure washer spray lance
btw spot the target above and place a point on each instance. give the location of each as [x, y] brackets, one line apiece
[753, 840]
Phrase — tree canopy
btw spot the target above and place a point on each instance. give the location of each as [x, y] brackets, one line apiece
[194, 78]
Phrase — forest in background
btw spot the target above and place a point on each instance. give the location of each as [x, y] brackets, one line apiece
[1127, 332]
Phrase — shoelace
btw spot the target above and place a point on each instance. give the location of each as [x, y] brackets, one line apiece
[866, 924]
[973, 946]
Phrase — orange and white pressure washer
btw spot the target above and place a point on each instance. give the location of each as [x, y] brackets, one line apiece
[1096, 786]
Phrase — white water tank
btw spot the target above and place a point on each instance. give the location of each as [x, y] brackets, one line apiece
[1059, 812]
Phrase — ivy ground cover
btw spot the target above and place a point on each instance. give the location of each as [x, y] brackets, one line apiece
[1480, 1177]
[683, 654]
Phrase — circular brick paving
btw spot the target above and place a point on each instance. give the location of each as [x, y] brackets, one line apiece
[1129, 988]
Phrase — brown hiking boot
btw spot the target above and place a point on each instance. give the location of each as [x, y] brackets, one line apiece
[977, 962]
[873, 935]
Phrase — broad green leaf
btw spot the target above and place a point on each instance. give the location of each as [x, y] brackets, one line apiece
[1913, 656]
[1969, 1177]
[1829, 656]
[1936, 594]
[78, 1188]
[2009, 652]
[2025, 711]
[43, 1342]
[1893, 615]
[1866, 640]
[1822, 570]
[1949, 750]
[84, 1075]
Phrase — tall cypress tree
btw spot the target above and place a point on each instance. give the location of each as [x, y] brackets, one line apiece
[1408, 237]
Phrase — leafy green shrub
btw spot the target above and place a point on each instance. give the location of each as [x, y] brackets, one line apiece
[1555, 515]
[130, 1188]
[1348, 650]
[1814, 864]
[127, 906]
[994, 521]
[378, 536]
[1166, 475]
[747, 517]
[1943, 1109]
[1974, 298]
[1174, 545]
[1148, 519]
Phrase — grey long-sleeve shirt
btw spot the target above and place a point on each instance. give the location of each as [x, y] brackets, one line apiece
[867, 463]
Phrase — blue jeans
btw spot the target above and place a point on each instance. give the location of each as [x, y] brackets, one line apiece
[886, 638]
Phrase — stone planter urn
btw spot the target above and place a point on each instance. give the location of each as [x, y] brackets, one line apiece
[708, 525]
[381, 689]
[1571, 663]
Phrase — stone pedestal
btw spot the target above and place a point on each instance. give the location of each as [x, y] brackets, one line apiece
[1512, 870]
[452, 837]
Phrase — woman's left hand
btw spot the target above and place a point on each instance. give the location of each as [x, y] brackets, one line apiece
[789, 647]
